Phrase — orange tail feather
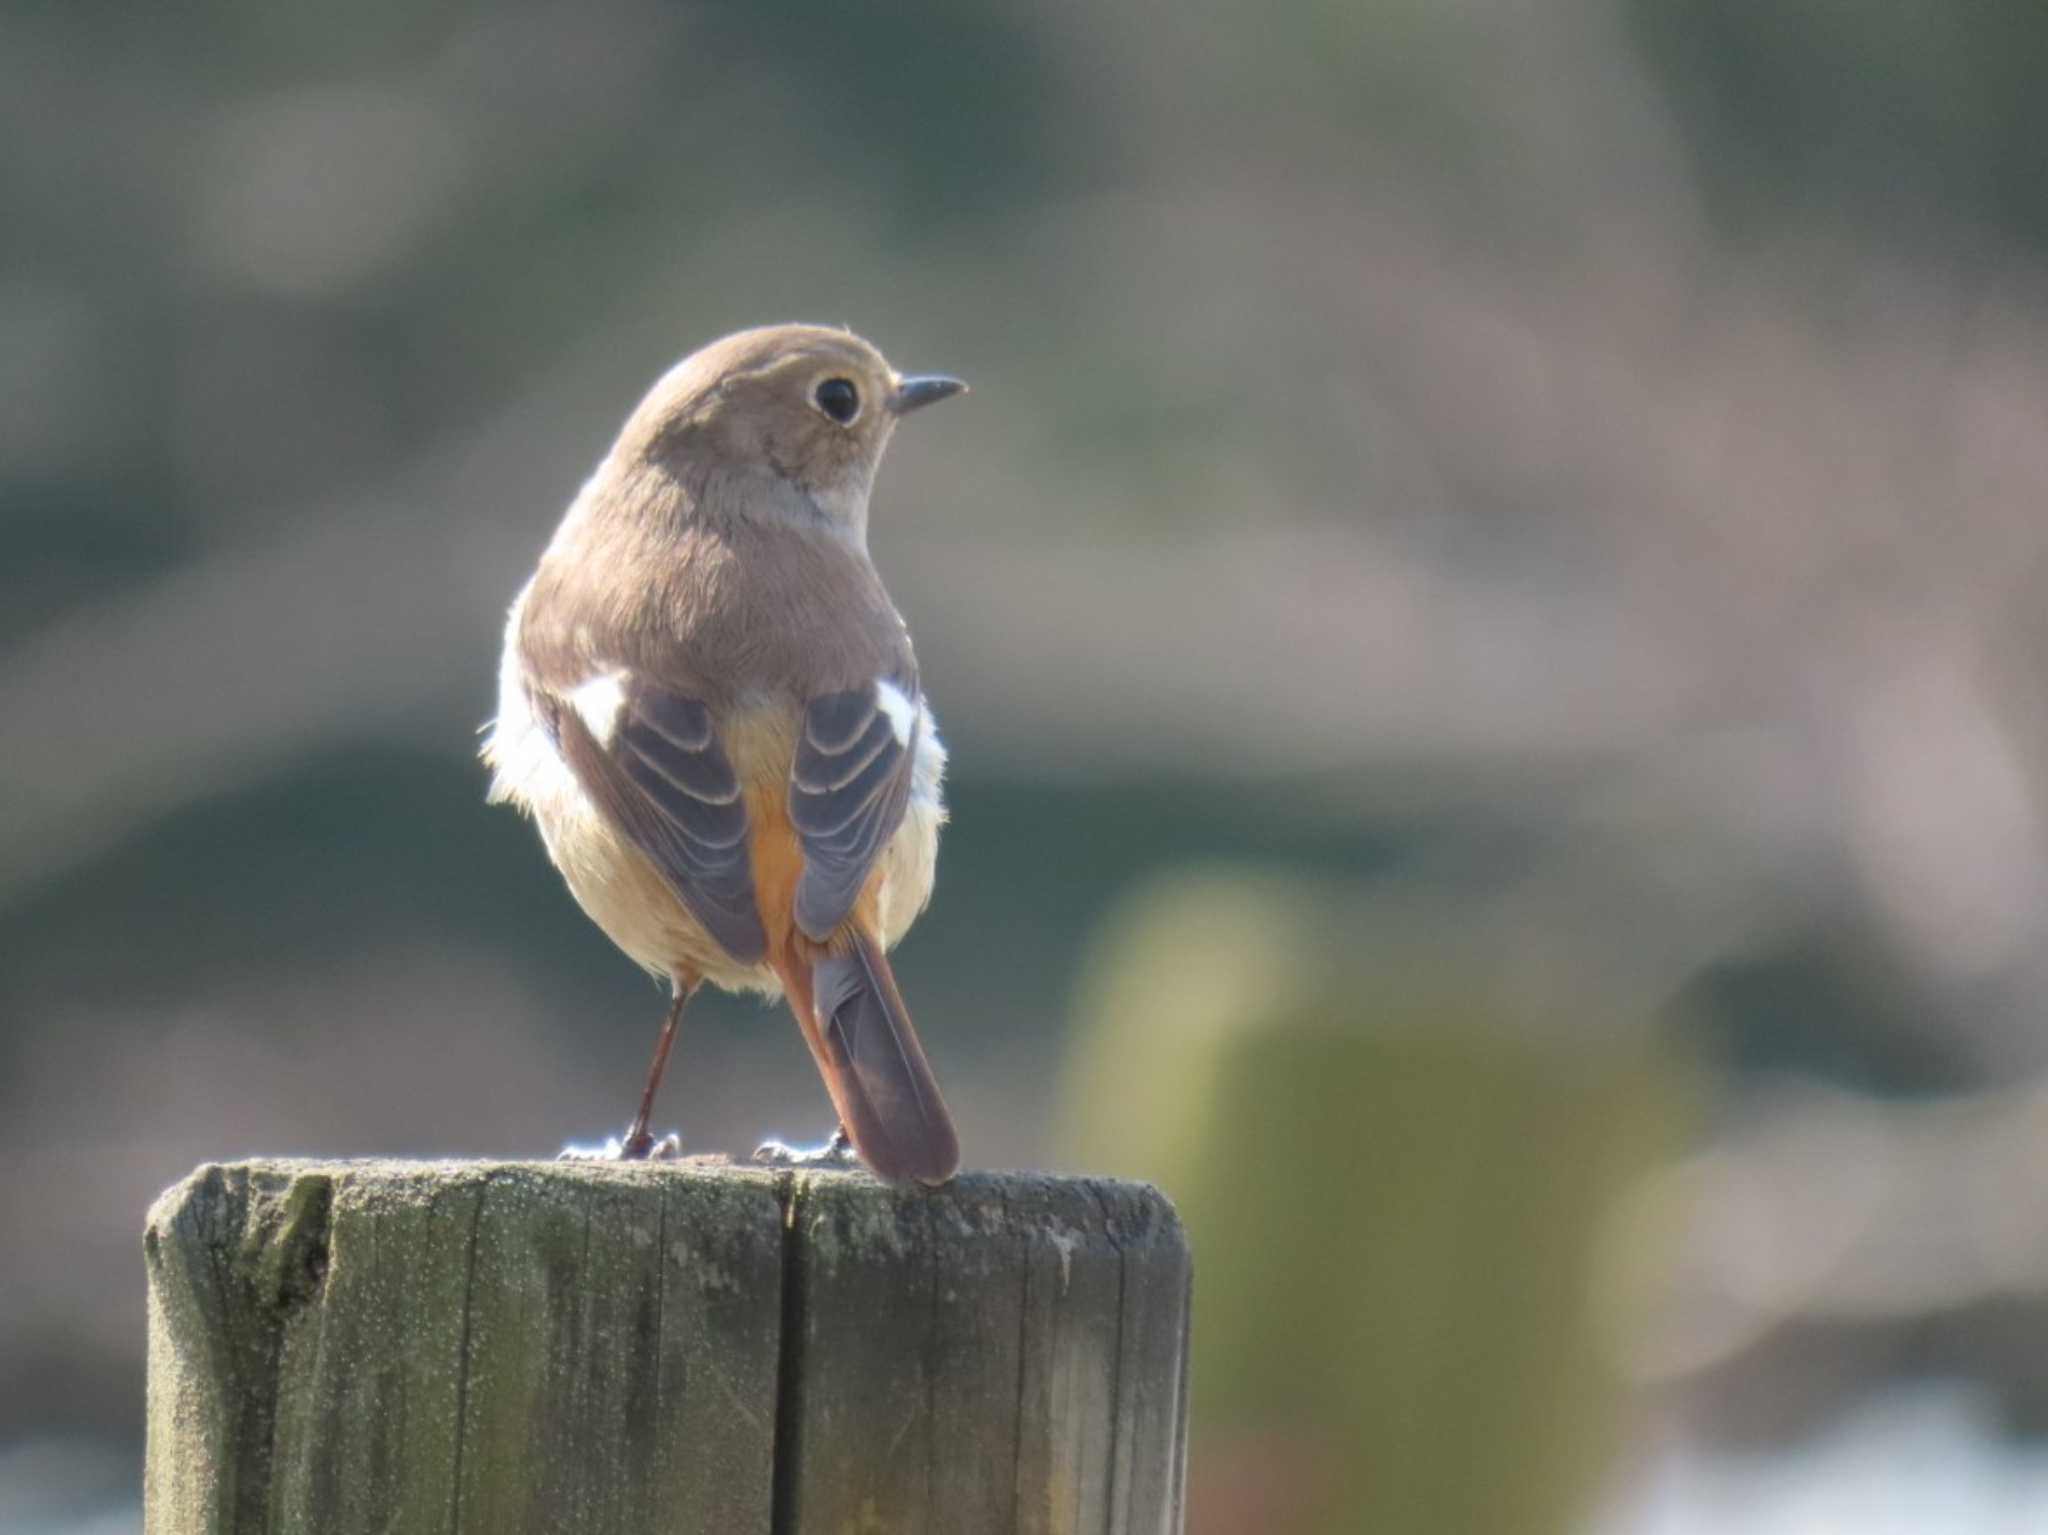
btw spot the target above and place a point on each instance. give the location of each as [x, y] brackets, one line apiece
[860, 1034]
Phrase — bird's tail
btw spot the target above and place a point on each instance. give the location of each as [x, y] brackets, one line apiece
[860, 1034]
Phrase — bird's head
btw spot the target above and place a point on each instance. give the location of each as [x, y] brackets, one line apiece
[804, 405]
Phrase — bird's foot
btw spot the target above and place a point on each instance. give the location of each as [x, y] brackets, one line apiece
[634, 1148]
[837, 1152]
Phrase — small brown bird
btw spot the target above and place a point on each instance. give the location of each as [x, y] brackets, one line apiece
[710, 707]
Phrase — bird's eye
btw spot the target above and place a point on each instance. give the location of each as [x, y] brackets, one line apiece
[838, 399]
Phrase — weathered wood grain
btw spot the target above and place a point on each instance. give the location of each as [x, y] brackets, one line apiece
[464, 1347]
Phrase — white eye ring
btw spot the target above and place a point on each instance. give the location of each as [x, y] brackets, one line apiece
[838, 399]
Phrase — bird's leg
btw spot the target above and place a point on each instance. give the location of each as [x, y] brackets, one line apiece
[639, 1144]
[836, 1152]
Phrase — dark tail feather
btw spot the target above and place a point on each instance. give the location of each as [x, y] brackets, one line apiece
[876, 1070]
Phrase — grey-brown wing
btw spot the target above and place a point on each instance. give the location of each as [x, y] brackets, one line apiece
[663, 778]
[848, 786]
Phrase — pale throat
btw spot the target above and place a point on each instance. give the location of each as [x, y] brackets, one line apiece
[843, 508]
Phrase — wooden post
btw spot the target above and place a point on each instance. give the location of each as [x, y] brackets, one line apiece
[689, 1349]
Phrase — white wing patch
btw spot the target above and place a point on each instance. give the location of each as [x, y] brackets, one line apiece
[600, 701]
[526, 770]
[901, 711]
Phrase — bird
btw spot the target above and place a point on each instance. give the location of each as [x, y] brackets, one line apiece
[710, 708]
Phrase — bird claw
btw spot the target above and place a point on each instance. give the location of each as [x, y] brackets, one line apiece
[837, 1152]
[640, 1148]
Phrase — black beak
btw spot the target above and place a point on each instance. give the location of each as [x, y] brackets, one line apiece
[924, 389]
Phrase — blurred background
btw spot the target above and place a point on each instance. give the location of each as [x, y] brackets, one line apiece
[1486, 604]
